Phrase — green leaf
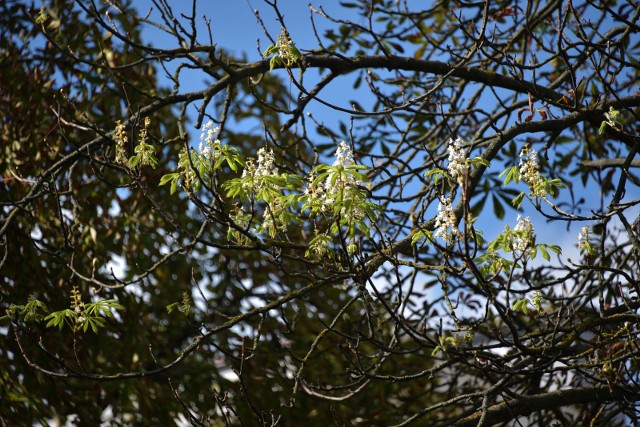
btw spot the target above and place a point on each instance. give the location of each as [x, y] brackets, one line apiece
[295, 53]
[437, 174]
[168, 177]
[270, 50]
[555, 248]
[479, 161]
[603, 127]
[545, 253]
[517, 201]
[521, 305]
[133, 161]
[512, 174]
[58, 318]
[274, 62]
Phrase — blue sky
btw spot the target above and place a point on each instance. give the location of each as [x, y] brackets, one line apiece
[235, 29]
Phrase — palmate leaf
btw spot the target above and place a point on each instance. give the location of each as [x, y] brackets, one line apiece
[103, 308]
[511, 174]
[94, 323]
[521, 305]
[59, 318]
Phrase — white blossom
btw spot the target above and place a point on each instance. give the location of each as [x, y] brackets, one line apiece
[523, 235]
[583, 235]
[266, 161]
[209, 147]
[338, 186]
[121, 140]
[458, 167]
[446, 222]
[262, 168]
[344, 155]
[584, 240]
[530, 172]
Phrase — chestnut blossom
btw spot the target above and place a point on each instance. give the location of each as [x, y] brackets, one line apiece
[266, 161]
[584, 240]
[209, 147]
[263, 167]
[284, 44]
[121, 141]
[446, 222]
[530, 172]
[458, 168]
[523, 235]
[341, 188]
[344, 155]
[315, 193]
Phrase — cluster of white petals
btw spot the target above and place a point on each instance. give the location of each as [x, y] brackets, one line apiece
[316, 193]
[343, 184]
[458, 168]
[445, 227]
[344, 155]
[265, 166]
[339, 186]
[266, 163]
[121, 140]
[208, 145]
[319, 247]
[524, 236]
[584, 237]
[530, 172]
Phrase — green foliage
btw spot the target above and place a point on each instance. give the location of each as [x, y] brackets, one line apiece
[184, 306]
[445, 343]
[335, 194]
[511, 174]
[614, 119]
[521, 305]
[196, 167]
[83, 316]
[284, 52]
[33, 311]
[437, 174]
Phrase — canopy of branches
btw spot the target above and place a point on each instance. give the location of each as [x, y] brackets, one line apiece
[396, 213]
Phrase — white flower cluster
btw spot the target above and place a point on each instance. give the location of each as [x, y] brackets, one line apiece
[319, 247]
[445, 227]
[530, 172]
[326, 194]
[266, 161]
[344, 155]
[345, 185]
[263, 167]
[584, 240]
[583, 235]
[242, 220]
[523, 235]
[284, 48]
[209, 147]
[316, 193]
[458, 167]
[121, 140]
